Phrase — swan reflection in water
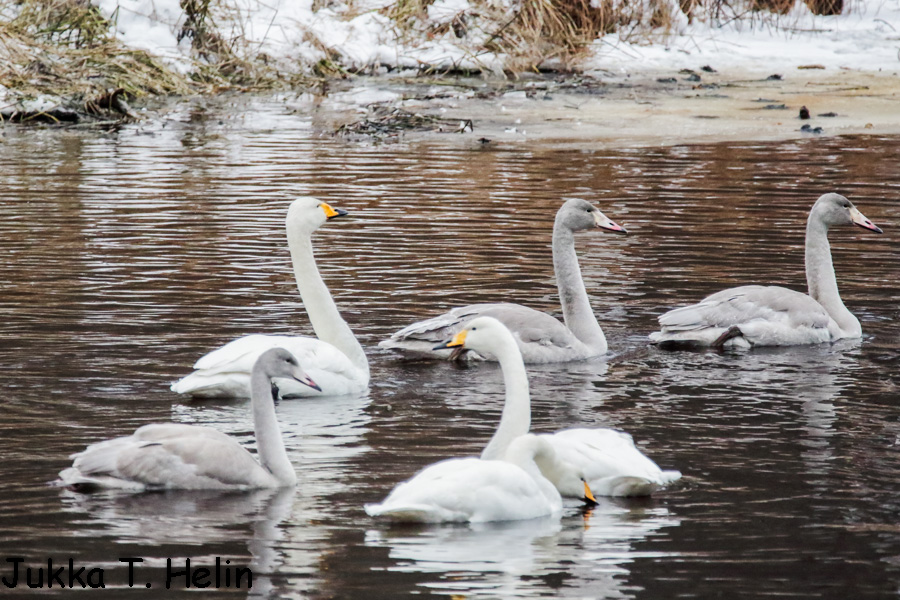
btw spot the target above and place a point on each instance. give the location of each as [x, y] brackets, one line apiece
[517, 558]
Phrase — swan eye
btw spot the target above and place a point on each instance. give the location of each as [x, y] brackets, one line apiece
[846, 205]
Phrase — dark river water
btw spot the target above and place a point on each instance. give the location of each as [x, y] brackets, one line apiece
[127, 255]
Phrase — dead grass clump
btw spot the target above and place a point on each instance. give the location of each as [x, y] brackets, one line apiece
[390, 122]
[558, 32]
[62, 48]
[544, 30]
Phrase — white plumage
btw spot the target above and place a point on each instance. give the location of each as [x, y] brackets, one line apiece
[334, 358]
[476, 490]
[608, 459]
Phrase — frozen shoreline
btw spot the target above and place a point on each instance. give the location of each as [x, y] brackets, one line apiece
[846, 65]
[661, 108]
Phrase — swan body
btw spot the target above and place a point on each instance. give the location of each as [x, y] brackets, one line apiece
[611, 463]
[540, 337]
[475, 490]
[334, 358]
[756, 315]
[179, 456]
[608, 459]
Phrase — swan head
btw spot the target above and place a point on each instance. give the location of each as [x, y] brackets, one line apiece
[580, 215]
[278, 362]
[834, 209]
[485, 335]
[308, 213]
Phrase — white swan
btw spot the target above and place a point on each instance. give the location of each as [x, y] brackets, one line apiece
[475, 490]
[335, 360]
[609, 460]
[179, 456]
[755, 315]
[541, 338]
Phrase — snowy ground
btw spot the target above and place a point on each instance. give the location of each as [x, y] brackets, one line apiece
[843, 66]
[865, 37]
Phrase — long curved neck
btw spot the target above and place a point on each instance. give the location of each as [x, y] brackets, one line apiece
[577, 312]
[272, 455]
[820, 277]
[534, 454]
[516, 418]
[326, 320]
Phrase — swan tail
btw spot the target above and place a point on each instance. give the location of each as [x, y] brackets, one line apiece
[75, 480]
[411, 513]
[624, 485]
[669, 477]
[420, 338]
[215, 385]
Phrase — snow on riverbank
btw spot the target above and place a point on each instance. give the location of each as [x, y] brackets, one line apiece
[359, 35]
[866, 38]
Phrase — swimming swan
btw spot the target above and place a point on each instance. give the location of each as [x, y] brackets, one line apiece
[541, 338]
[756, 315]
[475, 490]
[609, 460]
[334, 358]
[179, 456]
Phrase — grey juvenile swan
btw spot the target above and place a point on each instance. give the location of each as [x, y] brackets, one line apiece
[756, 315]
[179, 456]
[540, 337]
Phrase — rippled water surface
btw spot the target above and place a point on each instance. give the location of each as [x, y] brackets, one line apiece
[127, 255]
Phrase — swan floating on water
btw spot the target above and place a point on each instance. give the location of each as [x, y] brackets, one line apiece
[475, 490]
[756, 315]
[334, 358]
[608, 459]
[180, 456]
[540, 337]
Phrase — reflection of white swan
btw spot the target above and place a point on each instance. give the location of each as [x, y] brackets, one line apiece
[754, 315]
[178, 456]
[517, 559]
[541, 338]
[610, 462]
[476, 490]
[334, 359]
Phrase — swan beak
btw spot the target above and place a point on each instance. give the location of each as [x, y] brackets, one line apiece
[861, 220]
[458, 340]
[307, 380]
[589, 496]
[604, 222]
[332, 213]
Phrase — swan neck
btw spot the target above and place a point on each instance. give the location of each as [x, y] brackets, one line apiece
[820, 277]
[270, 445]
[576, 306]
[537, 458]
[323, 313]
[516, 417]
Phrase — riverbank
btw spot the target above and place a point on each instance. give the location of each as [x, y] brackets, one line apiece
[698, 77]
[646, 108]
